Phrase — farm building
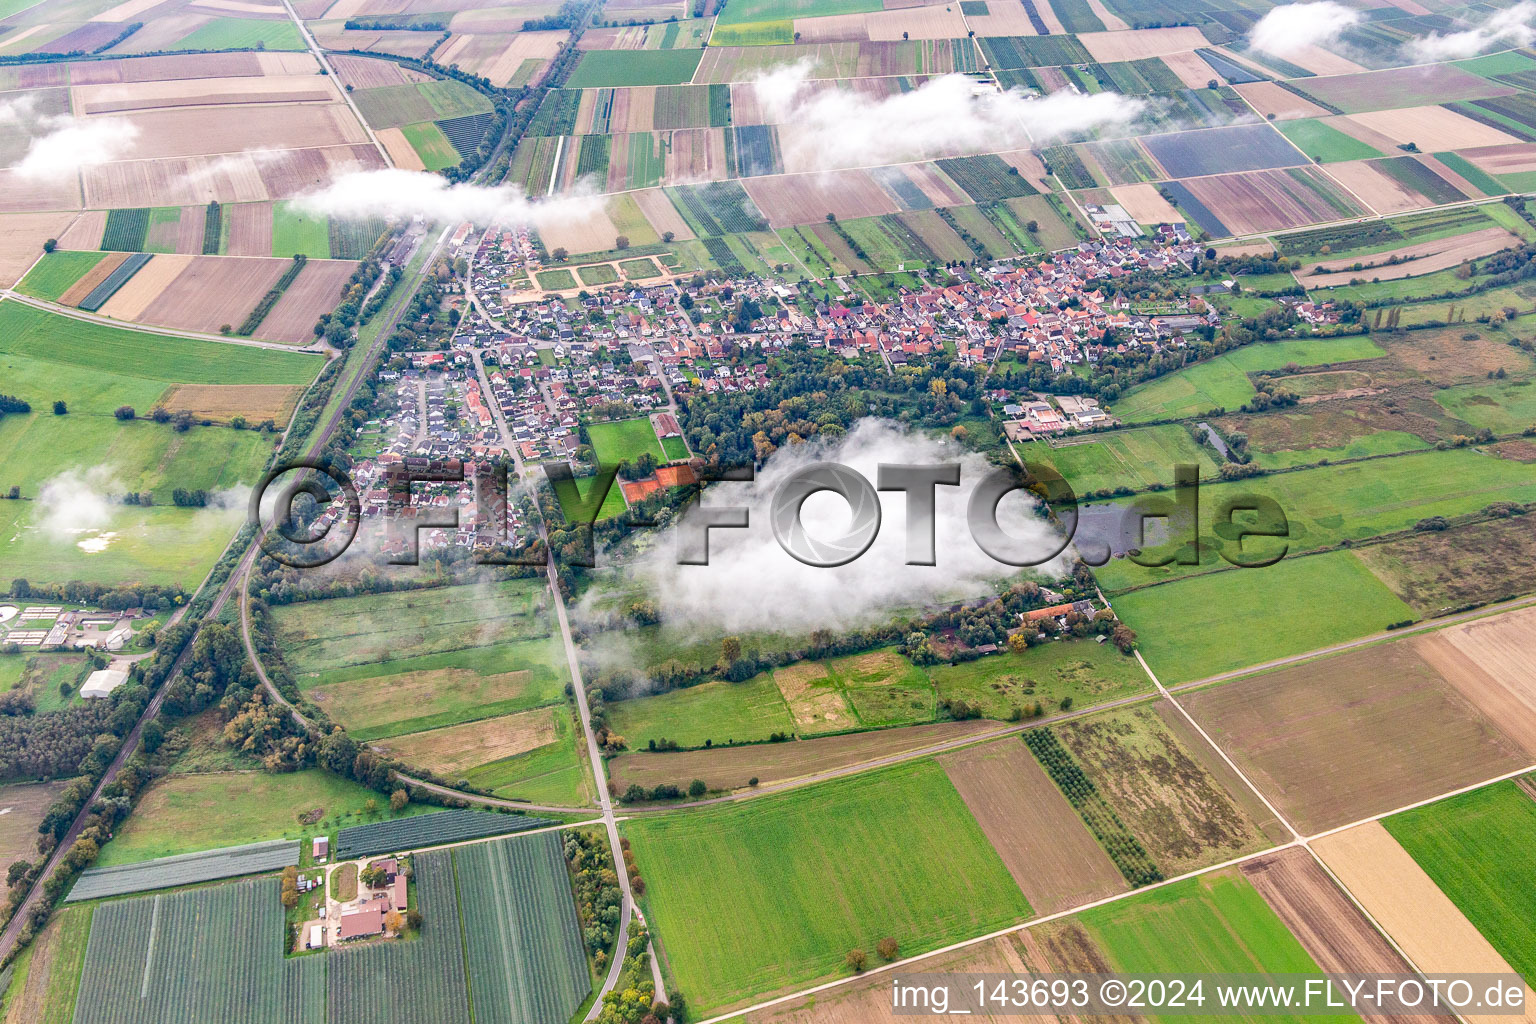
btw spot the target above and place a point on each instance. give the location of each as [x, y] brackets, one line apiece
[362, 923]
[321, 847]
[101, 683]
[316, 937]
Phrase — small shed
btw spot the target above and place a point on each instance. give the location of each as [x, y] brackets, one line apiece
[321, 848]
[316, 936]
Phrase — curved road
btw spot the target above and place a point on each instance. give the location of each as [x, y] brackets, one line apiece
[317, 442]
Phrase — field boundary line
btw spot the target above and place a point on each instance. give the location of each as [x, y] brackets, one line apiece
[149, 950]
[1216, 747]
[1301, 842]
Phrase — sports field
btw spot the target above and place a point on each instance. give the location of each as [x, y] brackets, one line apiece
[750, 898]
[1476, 847]
[624, 441]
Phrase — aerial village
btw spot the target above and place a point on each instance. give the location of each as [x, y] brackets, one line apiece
[523, 371]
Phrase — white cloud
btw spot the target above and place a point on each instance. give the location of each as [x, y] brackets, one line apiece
[834, 128]
[71, 144]
[403, 194]
[76, 502]
[1511, 26]
[1292, 28]
[751, 583]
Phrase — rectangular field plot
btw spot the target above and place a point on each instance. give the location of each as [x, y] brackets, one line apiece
[139, 965]
[1440, 571]
[612, 68]
[433, 829]
[1325, 143]
[57, 272]
[525, 956]
[1475, 847]
[403, 695]
[1265, 200]
[1400, 87]
[1223, 621]
[1136, 459]
[1337, 740]
[1052, 857]
[1167, 787]
[1048, 674]
[324, 635]
[719, 712]
[791, 883]
[255, 859]
[1247, 147]
[1329, 927]
[1406, 903]
[1486, 660]
[1215, 923]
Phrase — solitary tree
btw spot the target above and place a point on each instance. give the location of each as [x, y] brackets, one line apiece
[50, 245]
[697, 788]
[888, 948]
[856, 960]
[59, 408]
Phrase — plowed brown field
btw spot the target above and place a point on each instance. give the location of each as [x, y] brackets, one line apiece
[1491, 663]
[1040, 838]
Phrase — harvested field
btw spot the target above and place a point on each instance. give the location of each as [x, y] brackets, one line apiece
[22, 236]
[1403, 87]
[91, 278]
[1340, 739]
[1271, 200]
[192, 65]
[29, 195]
[1107, 47]
[210, 292]
[594, 233]
[187, 132]
[1268, 98]
[769, 763]
[232, 178]
[136, 96]
[85, 231]
[1323, 919]
[658, 209]
[249, 229]
[808, 198]
[1381, 192]
[401, 152]
[189, 230]
[1434, 128]
[458, 748]
[1005, 19]
[1041, 839]
[869, 1001]
[223, 402]
[935, 184]
[1407, 904]
[23, 806]
[144, 287]
[316, 290]
[1145, 203]
[698, 154]
[1498, 160]
[1423, 258]
[813, 699]
[366, 72]
[1489, 662]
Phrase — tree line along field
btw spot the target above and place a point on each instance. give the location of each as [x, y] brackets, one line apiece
[1327, 505]
[486, 909]
[95, 368]
[875, 690]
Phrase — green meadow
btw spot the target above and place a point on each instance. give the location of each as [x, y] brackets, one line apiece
[753, 897]
[1477, 849]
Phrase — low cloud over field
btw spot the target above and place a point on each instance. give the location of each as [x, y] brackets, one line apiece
[751, 583]
[1511, 27]
[946, 115]
[397, 193]
[1289, 29]
[76, 501]
[63, 145]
